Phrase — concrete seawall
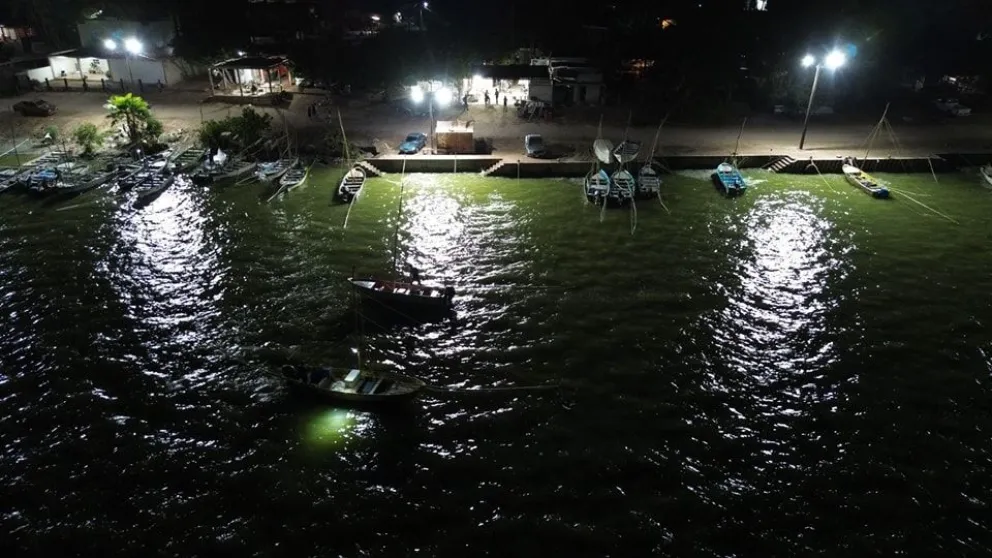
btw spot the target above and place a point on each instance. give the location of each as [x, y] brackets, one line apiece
[537, 168]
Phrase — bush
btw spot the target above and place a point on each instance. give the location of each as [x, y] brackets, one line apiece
[153, 129]
[88, 137]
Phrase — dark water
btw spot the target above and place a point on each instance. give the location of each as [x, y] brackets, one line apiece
[800, 372]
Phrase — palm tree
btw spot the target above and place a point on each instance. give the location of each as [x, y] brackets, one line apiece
[131, 111]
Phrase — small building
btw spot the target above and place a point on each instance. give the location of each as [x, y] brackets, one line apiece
[94, 65]
[250, 76]
[455, 137]
[555, 81]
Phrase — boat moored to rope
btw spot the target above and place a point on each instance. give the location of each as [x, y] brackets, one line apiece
[351, 184]
[622, 189]
[603, 148]
[986, 172]
[648, 181]
[730, 179]
[627, 151]
[863, 181]
[597, 185]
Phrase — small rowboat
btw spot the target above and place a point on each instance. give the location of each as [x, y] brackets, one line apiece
[351, 184]
[627, 151]
[603, 148]
[153, 186]
[270, 171]
[648, 181]
[398, 293]
[597, 186]
[187, 159]
[864, 181]
[295, 176]
[623, 186]
[986, 172]
[728, 177]
[340, 385]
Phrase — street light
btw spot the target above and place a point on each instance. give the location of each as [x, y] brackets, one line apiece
[832, 61]
[109, 44]
[132, 45]
[443, 97]
[416, 94]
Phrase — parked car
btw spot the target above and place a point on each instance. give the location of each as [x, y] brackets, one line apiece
[38, 107]
[534, 145]
[952, 107]
[413, 143]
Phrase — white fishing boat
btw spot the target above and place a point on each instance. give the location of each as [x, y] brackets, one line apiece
[603, 148]
[272, 170]
[351, 184]
[627, 151]
[648, 180]
[623, 185]
[293, 178]
[986, 172]
[864, 181]
[597, 186]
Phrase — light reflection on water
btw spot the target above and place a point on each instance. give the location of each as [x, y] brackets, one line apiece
[708, 360]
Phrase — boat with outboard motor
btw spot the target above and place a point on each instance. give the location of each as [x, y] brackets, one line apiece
[864, 181]
[729, 178]
[351, 184]
[354, 385]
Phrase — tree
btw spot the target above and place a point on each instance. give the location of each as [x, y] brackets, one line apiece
[216, 134]
[251, 125]
[153, 129]
[133, 113]
[88, 137]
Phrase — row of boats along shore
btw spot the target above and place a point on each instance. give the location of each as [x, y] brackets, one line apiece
[61, 174]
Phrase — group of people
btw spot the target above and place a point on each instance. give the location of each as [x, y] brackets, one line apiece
[486, 98]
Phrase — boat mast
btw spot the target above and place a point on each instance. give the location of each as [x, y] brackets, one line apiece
[874, 133]
[344, 140]
[737, 147]
[657, 135]
[396, 230]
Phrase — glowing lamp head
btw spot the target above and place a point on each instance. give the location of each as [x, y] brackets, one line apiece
[416, 94]
[808, 60]
[109, 44]
[443, 97]
[835, 60]
[132, 45]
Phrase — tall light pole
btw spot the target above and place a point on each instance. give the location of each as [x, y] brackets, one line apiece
[832, 61]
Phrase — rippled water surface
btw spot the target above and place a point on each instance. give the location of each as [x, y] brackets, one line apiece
[801, 371]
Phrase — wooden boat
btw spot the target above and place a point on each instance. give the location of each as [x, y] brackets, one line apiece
[627, 151]
[153, 185]
[351, 184]
[623, 185]
[986, 172]
[187, 159]
[864, 181]
[294, 176]
[648, 181]
[270, 171]
[400, 293]
[233, 169]
[597, 186]
[89, 183]
[603, 148]
[341, 385]
[10, 179]
[729, 179]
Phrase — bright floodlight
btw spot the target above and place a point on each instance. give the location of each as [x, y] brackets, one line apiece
[132, 45]
[375, 18]
[425, 4]
[808, 60]
[416, 94]
[835, 60]
[443, 97]
[109, 44]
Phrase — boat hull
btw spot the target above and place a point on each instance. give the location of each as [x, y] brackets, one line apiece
[403, 388]
[864, 182]
[729, 179]
[603, 148]
[402, 294]
[986, 173]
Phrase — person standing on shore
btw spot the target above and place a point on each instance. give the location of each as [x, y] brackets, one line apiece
[486, 97]
[497, 96]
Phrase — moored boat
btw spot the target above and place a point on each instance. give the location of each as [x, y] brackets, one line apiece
[627, 151]
[233, 169]
[273, 170]
[986, 172]
[295, 175]
[622, 188]
[730, 179]
[864, 181]
[187, 159]
[400, 293]
[603, 149]
[351, 184]
[355, 386]
[597, 185]
[89, 182]
[648, 181]
[153, 185]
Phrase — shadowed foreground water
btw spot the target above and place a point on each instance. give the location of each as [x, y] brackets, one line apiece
[803, 371]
